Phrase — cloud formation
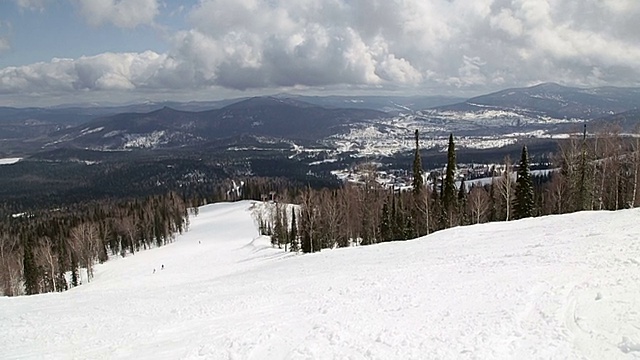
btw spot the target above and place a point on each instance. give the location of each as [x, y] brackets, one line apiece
[440, 46]
[108, 71]
[33, 5]
[120, 13]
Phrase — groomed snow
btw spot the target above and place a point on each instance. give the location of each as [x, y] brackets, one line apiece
[559, 287]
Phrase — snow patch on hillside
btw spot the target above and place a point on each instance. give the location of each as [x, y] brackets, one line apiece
[9, 161]
[145, 141]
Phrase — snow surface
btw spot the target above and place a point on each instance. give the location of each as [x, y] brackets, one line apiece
[8, 161]
[558, 287]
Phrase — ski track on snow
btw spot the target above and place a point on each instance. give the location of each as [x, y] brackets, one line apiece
[554, 287]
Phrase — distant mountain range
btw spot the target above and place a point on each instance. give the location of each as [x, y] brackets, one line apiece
[556, 101]
[261, 117]
[314, 118]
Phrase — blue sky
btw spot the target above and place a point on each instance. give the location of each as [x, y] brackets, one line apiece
[58, 29]
[115, 51]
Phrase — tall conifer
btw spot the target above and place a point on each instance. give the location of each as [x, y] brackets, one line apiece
[293, 236]
[30, 269]
[449, 186]
[418, 182]
[523, 206]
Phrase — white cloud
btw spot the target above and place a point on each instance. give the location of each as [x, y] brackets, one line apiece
[121, 13]
[34, 5]
[507, 22]
[443, 46]
[124, 71]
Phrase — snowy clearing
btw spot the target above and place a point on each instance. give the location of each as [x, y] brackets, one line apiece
[9, 161]
[556, 287]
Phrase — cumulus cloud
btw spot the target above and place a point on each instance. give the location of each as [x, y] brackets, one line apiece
[108, 71]
[121, 13]
[440, 46]
[454, 44]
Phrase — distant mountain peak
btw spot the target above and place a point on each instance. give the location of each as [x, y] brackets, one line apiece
[548, 86]
[267, 101]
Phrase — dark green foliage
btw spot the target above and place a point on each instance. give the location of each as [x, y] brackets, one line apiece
[278, 236]
[31, 270]
[305, 243]
[462, 204]
[449, 187]
[385, 223]
[293, 235]
[493, 197]
[397, 220]
[585, 173]
[50, 246]
[524, 201]
[418, 181]
[75, 276]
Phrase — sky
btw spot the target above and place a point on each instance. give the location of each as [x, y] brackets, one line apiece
[116, 51]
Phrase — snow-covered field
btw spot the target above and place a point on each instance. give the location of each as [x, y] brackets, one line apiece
[560, 287]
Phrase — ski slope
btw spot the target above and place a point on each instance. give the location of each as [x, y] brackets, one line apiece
[559, 287]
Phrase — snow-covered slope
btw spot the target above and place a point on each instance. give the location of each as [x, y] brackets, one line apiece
[546, 288]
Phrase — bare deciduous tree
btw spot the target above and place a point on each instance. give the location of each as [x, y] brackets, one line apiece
[85, 241]
[478, 203]
[505, 186]
[10, 265]
[45, 254]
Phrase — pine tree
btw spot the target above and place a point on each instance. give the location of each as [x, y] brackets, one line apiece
[462, 203]
[385, 223]
[449, 186]
[418, 181]
[493, 197]
[293, 236]
[583, 201]
[278, 228]
[75, 277]
[397, 219]
[284, 240]
[30, 270]
[523, 206]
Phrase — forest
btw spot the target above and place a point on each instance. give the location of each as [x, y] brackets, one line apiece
[591, 172]
[45, 250]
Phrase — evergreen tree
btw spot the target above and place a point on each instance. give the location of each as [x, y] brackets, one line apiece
[30, 270]
[75, 277]
[437, 210]
[583, 201]
[418, 181]
[284, 240]
[385, 223]
[293, 236]
[493, 206]
[462, 203]
[449, 186]
[523, 206]
[397, 219]
[278, 228]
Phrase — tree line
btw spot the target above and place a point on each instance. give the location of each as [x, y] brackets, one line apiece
[45, 251]
[598, 172]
